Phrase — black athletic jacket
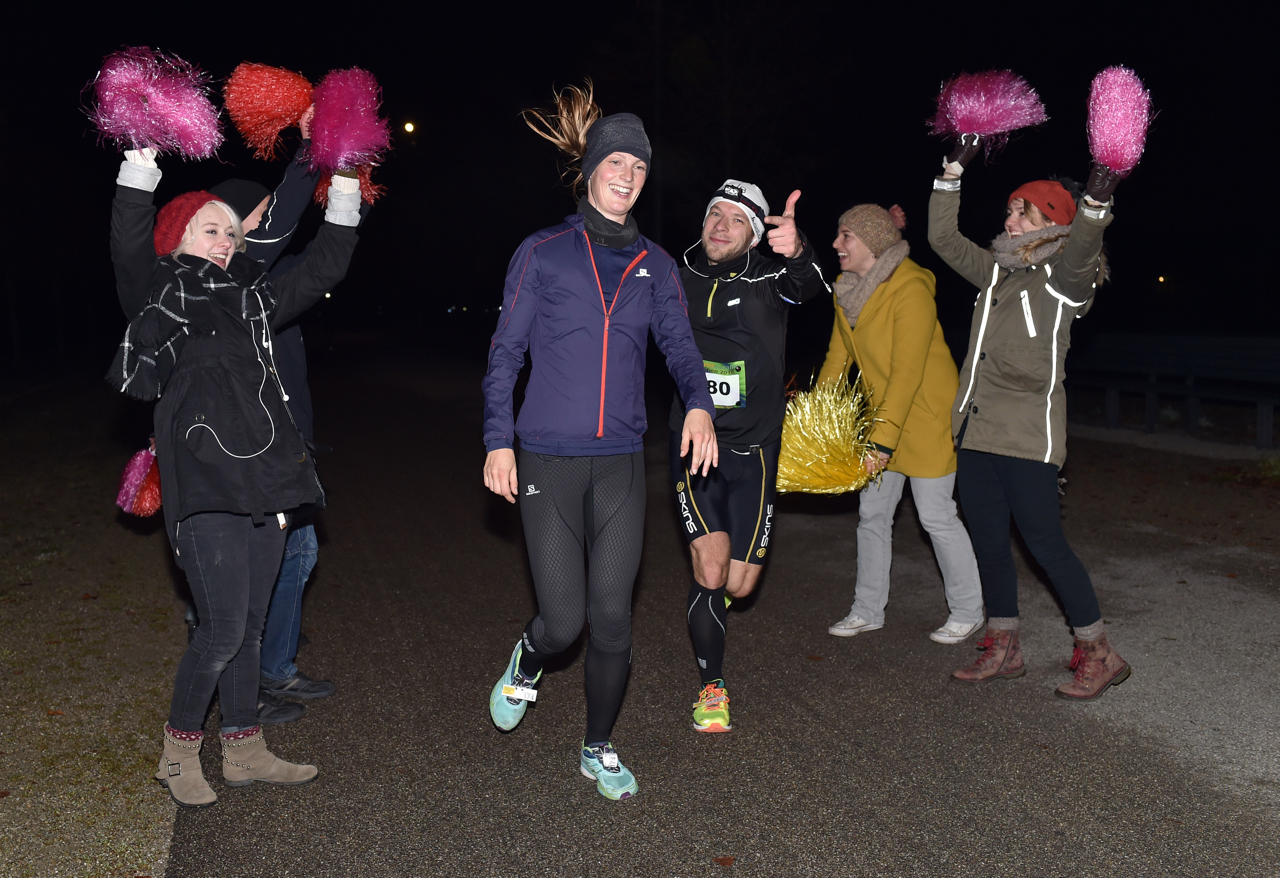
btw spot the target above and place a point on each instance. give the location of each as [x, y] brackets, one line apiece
[738, 311]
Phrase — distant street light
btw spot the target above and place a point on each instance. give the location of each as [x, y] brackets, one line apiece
[408, 126]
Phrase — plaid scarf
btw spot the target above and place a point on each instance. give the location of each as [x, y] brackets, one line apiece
[186, 306]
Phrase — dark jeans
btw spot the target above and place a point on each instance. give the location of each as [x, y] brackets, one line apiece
[284, 617]
[231, 566]
[994, 487]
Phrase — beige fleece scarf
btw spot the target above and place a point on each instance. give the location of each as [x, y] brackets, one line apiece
[853, 292]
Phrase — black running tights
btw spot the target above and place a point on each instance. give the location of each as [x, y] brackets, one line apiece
[584, 523]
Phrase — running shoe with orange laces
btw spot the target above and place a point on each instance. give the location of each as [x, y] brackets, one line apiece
[711, 710]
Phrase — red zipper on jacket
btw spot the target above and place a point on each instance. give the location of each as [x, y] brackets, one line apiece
[608, 311]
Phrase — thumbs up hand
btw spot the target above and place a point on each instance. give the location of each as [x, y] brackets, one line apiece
[784, 238]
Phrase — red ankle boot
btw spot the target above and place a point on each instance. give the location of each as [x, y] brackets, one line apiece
[1001, 659]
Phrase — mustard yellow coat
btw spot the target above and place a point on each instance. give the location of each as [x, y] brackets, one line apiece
[905, 361]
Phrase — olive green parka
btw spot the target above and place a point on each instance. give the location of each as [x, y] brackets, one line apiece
[1011, 384]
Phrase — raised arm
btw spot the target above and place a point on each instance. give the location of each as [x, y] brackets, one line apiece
[803, 279]
[288, 202]
[327, 257]
[133, 216]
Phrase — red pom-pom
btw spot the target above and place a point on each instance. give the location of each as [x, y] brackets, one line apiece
[347, 132]
[369, 190]
[263, 101]
[898, 216]
[148, 499]
[146, 99]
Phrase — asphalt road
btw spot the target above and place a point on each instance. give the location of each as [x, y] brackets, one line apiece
[851, 757]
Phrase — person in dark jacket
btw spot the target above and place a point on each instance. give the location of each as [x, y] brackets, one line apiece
[738, 306]
[233, 465]
[582, 297]
[271, 218]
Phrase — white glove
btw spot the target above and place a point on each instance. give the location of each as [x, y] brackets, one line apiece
[139, 170]
[145, 157]
[344, 201]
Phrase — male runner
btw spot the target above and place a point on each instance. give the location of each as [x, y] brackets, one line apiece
[738, 303]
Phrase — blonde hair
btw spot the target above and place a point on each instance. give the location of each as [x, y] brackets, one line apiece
[189, 236]
[566, 126]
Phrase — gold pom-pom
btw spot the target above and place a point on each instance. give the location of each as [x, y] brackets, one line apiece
[825, 439]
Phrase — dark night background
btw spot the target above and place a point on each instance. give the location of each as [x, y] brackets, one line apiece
[827, 98]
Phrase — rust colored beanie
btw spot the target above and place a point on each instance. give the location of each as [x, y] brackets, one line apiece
[876, 227]
[172, 219]
[1050, 197]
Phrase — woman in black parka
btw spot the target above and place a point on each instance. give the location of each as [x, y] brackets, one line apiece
[232, 462]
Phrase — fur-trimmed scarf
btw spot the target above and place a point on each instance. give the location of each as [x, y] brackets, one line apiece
[1017, 253]
[185, 307]
[1035, 247]
[853, 292]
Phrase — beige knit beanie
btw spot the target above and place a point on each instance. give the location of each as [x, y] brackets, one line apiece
[876, 227]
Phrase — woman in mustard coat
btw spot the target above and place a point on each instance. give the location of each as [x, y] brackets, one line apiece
[886, 322]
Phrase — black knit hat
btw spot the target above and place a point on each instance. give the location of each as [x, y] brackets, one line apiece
[621, 132]
[244, 196]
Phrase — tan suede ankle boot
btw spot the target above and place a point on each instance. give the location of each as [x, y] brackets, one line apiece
[180, 773]
[248, 759]
[1097, 667]
[1001, 659]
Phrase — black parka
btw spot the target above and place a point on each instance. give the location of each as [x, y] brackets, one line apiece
[225, 439]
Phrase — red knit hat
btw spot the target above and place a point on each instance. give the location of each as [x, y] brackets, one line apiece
[172, 220]
[1054, 201]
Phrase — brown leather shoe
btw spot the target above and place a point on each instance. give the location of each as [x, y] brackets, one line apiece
[248, 759]
[1097, 667]
[181, 775]
[1001, 659]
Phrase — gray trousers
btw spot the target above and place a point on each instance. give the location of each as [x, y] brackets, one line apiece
[951, 545]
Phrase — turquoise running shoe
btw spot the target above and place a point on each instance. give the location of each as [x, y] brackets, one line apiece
[512, 693]
[613, 779]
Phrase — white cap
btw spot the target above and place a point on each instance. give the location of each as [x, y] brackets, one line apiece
[746, 196]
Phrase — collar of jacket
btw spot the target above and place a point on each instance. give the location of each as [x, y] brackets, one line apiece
[726, 271]
[604, 231]
[854, 292]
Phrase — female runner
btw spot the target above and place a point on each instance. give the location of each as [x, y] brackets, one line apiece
[582, 298]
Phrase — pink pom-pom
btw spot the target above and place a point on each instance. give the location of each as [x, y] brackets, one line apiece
[992, 104]
[135, 471]
[346, 131]
[147, 503]
[1119, 113]
[898, 217]
[144, 98]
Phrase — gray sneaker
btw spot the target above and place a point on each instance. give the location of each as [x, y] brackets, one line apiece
[852, 625]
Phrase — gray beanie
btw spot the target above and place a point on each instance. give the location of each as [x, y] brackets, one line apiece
[621, 132]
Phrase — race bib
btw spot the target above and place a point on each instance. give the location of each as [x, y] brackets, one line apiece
[727, 384]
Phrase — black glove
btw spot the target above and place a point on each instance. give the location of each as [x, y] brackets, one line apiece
[967, 146]
[1102, 182]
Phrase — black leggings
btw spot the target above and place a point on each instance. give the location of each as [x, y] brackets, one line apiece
[993, 487]
[592, 507]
